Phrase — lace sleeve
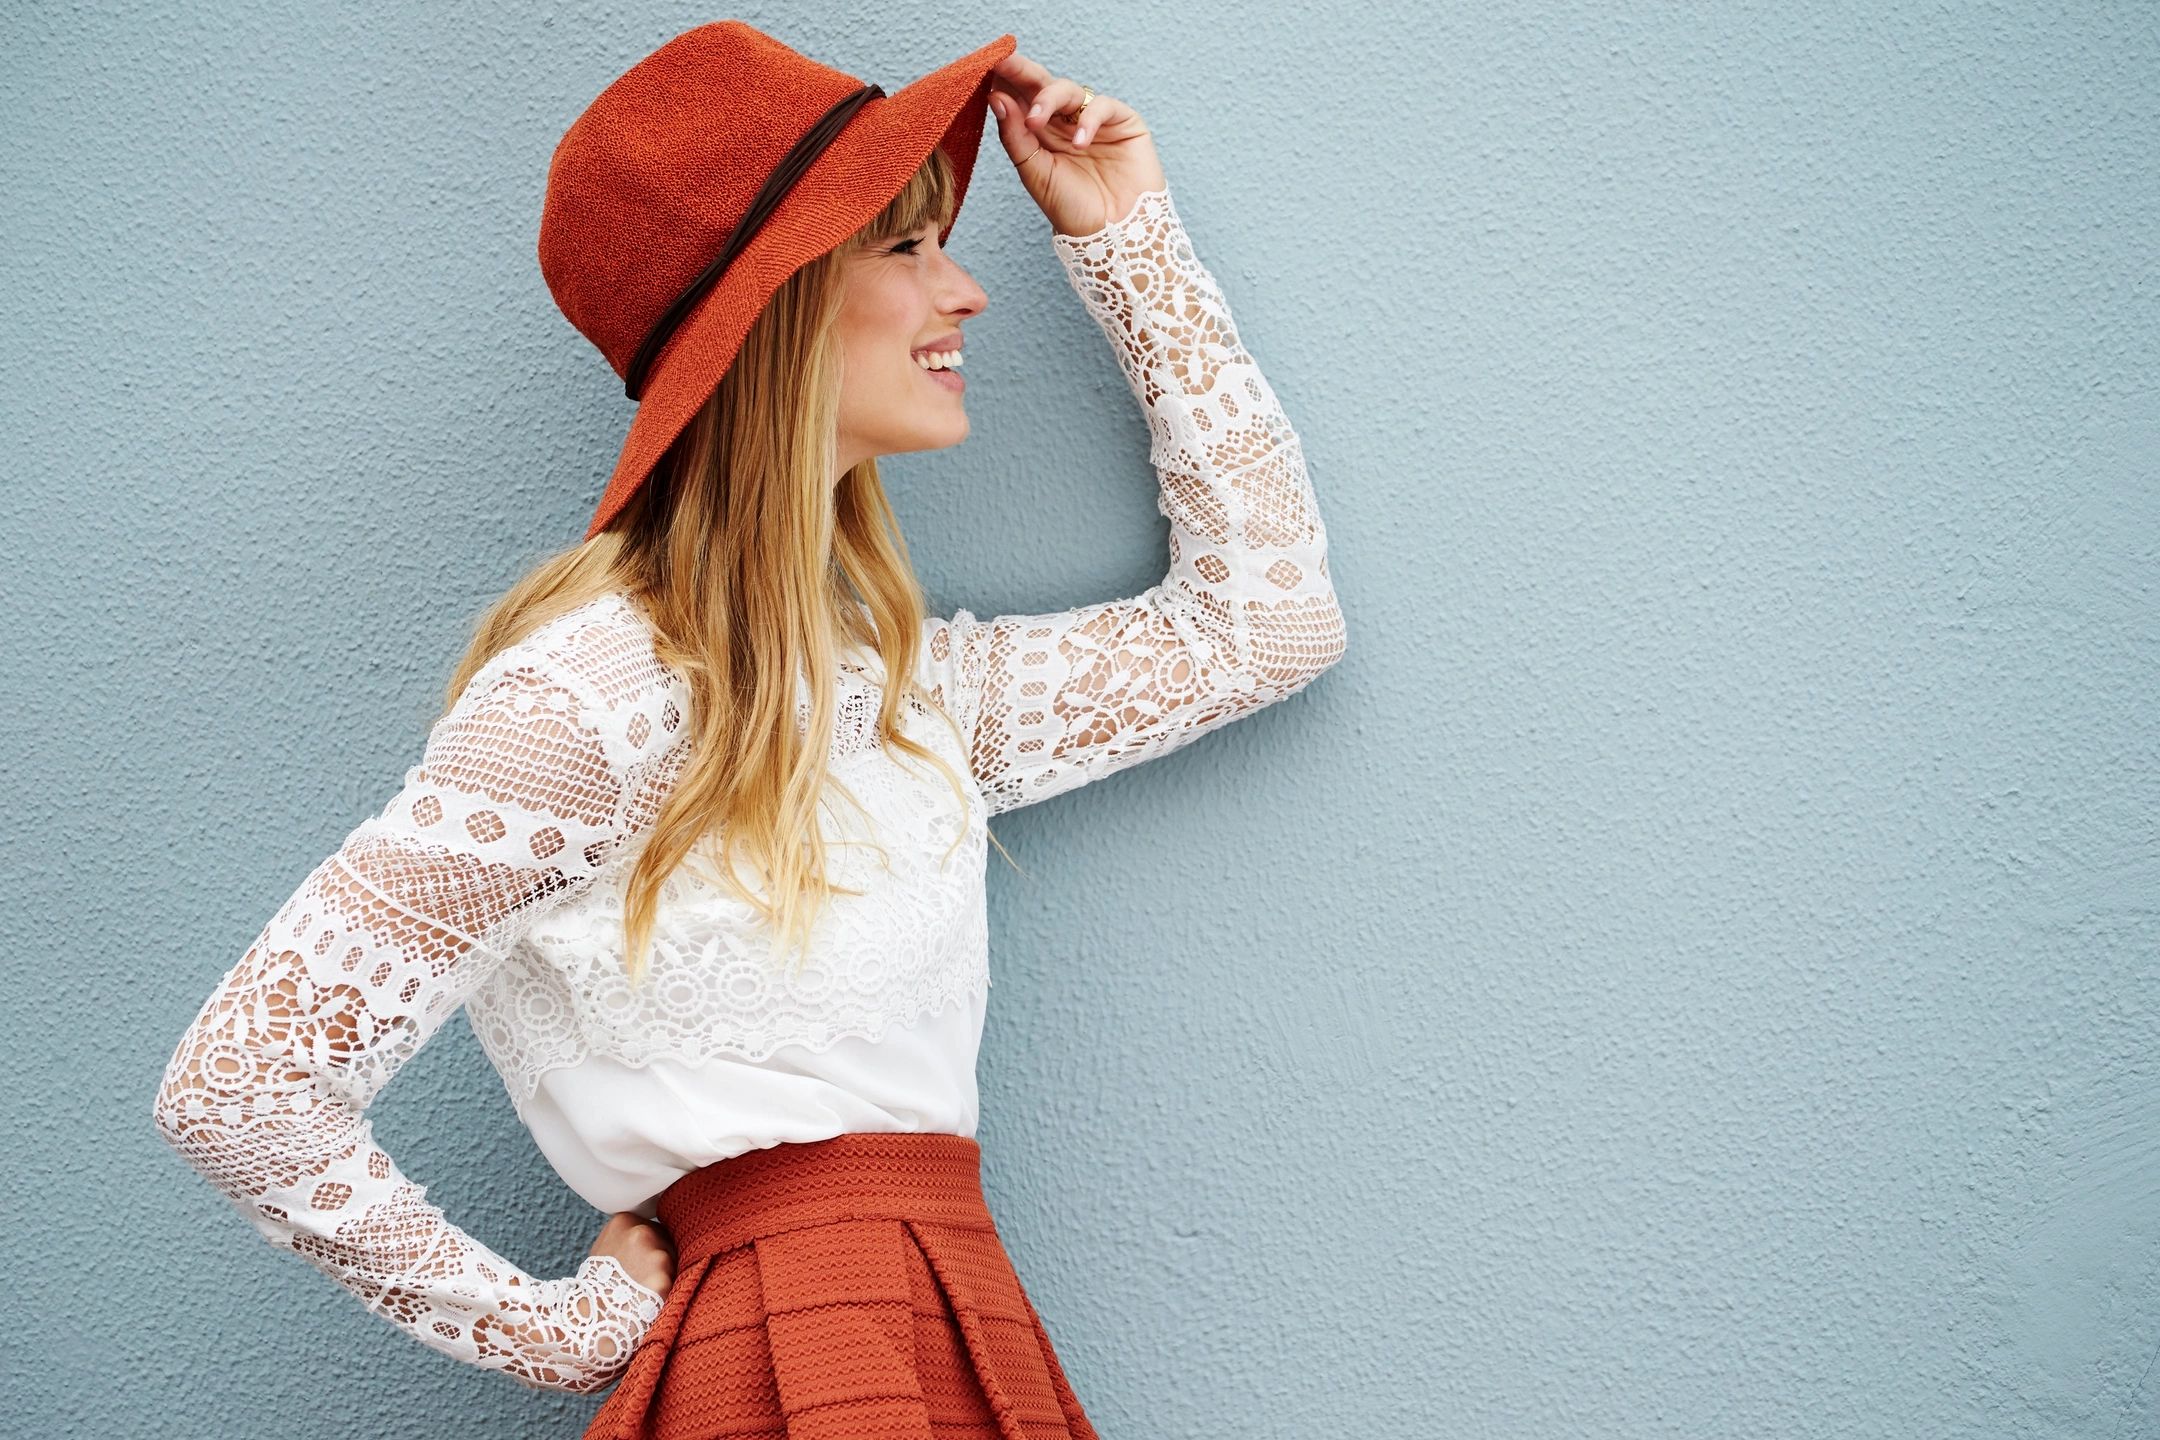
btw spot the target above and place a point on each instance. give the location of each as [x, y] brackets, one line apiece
[517, 800]
[1247, 614]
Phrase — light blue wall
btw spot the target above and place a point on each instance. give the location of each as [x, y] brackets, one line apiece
[1690, 971]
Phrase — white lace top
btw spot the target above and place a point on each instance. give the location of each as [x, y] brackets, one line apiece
[494, 879]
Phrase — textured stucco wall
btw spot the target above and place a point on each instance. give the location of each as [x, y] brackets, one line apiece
[1689, 972]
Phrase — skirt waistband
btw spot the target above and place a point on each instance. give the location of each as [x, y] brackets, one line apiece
[859, 1175]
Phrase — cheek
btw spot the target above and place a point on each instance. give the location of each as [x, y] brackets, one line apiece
[879, 301]
[882, 319]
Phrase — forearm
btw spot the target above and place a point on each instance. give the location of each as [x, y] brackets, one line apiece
[267, 1090]
[1248, 585]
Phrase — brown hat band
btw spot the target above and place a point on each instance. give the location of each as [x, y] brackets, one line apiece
[791, 169]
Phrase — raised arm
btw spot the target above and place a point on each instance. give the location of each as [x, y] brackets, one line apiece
[517, 800]
[1247, 613]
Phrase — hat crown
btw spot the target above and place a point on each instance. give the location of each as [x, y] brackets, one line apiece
[649, 181]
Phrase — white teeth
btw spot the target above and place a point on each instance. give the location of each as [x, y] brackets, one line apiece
[937, 359]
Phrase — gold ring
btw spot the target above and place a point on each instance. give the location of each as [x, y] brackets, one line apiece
[1086, 94]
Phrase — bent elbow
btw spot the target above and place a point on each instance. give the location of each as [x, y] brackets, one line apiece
[1337, 640]
[168, 1112]
[184, 1102]
[1286, 655]
[1326, 641]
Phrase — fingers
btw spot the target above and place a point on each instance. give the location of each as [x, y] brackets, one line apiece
[1022, 70]
[1054, 115]
[1013, 131]
[1055, 99]
[1043, 96]
[1102, 112]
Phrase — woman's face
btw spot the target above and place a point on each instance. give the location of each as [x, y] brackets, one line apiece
[903, 294]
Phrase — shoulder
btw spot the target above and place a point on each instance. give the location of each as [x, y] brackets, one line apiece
[939, 639]
[594, 668]
[950, 659]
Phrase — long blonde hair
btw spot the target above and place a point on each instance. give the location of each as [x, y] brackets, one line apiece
[742, 552]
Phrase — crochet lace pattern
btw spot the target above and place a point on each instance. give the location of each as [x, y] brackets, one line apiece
[912, 942]
[493, 879]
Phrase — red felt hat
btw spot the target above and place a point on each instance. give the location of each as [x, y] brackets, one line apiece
[703, 177]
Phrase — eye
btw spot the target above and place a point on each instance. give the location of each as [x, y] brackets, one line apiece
[903, 247]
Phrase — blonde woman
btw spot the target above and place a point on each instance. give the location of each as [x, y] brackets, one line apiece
[706, 877]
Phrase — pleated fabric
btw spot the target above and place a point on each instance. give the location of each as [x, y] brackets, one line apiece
[845, 1289]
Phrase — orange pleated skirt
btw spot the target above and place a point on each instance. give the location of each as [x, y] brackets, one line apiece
[844, 1289]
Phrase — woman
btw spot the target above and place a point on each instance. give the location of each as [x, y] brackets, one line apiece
[765, 1078]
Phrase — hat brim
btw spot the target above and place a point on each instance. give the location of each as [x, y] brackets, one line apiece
[850, 182]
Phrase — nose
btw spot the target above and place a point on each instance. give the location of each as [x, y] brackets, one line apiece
[961, 295]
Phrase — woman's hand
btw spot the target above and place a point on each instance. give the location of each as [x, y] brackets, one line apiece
[1085, 168]
[642, 1246]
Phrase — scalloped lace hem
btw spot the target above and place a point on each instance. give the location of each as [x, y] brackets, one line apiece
[695, 1051]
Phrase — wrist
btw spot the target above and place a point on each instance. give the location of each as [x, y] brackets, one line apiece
[619, 1290]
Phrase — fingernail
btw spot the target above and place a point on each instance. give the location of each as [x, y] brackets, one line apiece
[1035, 110]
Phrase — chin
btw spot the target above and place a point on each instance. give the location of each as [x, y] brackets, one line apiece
[927, 433]
[945, 437]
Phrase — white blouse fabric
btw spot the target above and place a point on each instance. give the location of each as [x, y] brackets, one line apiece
[494, 879]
